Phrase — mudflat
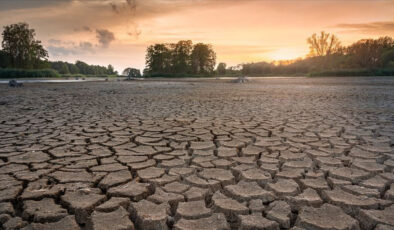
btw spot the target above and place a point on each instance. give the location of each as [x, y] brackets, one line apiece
[272, 153]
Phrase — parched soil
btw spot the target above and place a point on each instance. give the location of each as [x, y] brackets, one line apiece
[275, 153]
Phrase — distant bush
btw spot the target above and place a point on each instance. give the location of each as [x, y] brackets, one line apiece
[22, 73]
[353, 73]
[177, 75]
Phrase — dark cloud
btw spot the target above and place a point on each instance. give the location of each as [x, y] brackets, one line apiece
[128, 6]
[372, 27]
[105, 37]
[84, 28]
[28, 4]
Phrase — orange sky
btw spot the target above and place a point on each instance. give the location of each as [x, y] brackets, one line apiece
[117, 32]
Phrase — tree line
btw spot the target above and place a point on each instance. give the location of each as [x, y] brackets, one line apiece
[328, 57]
[20, 50]
[180, 58]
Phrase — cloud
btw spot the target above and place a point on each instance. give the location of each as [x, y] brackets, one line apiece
[6, 5]
[129, 6]
[105, 37]
[371, 27]
[83, 29]
[58, 48]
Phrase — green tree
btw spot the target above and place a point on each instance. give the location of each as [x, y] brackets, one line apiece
[73, 68]
[60, 67]
[110, 70]
[181, 56]
[5, 60]
[221, 69]
[203, 59]
[19, 42]
[323, 44]
[158, 58]
[132, 73]
[83, 67]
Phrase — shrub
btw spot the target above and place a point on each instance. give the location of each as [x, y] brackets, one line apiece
[21, 73]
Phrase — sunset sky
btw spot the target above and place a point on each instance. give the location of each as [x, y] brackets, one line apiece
[117, 32]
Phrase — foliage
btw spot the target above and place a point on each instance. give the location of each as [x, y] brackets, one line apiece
[180, 58]
[221, 69]
[370, 53]
[81, 68]
[20, 44]
[363, 58]
[23, 73]
[5, 60]
[132, 73]
[203, 59]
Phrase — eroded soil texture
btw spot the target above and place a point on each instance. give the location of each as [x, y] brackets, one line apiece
[294, 153]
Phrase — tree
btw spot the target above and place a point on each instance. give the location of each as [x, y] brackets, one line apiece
[60, 67]
[5, 60]
[83, 67]
[73, 68]
[132, 73]
[20, 44]
[203, 59]
[158, 58]
[323, 45]
[221, 69]
[181, 56]
[110, 69]
[371, 53]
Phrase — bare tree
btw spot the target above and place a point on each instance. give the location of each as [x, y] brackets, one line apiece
[323, 44]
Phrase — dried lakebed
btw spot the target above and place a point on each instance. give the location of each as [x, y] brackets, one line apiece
[270, 154]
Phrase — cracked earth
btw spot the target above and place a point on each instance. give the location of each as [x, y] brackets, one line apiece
[270, 154]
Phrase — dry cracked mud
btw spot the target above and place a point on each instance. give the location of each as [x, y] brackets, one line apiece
[291, 153]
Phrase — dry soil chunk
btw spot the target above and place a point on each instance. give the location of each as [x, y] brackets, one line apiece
[192, 210]
[44, 210]
[327, 217]
[113, 204]
[256, 222]
[82, 203]
[115, 178]
[67, 223]
[370, 218]
[280, 212]
[116, 220]
[215, 222]
[150, 216]
[350, 174]
[348, 202]
[244, 191]
[150, 173]
[284, 187]
[224, 176]
[134, 190]
[309, 197]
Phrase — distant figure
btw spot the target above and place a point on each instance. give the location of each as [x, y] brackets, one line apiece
[14, 83]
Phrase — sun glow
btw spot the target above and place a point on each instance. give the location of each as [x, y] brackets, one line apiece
[286, 54]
